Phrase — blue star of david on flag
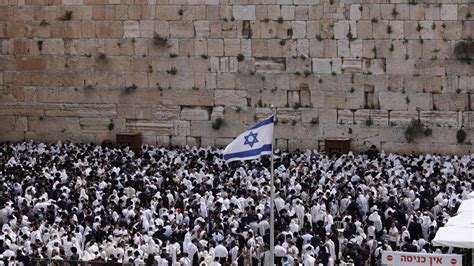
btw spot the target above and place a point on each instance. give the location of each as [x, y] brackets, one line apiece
[251, 139]
[252, 143]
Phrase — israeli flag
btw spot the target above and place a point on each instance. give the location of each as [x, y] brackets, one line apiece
[252, 143]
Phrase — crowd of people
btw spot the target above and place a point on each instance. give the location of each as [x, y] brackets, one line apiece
[186, 206]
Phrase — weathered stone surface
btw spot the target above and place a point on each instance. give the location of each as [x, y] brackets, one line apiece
[393, 101]
[81, 110]
[53, 124]
[241, 12]
[194, 114]
[230, 97]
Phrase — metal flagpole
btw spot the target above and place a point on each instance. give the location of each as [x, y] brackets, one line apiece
[272, 207]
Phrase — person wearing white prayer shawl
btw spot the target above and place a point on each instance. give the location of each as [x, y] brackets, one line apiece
[308, 259]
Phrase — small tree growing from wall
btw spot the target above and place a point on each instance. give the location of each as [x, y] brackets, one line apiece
[416, 130]
[461, 136]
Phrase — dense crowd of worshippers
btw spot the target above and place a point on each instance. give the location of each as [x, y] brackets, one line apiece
[186, 206]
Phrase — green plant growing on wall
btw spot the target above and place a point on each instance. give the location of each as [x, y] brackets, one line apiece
[461, 136]
[419, 27]
[66, 16]
[428, 131]
[217, 123]
[293, 123]
[389, 29]
[280, 20]
[416, 130]
[315, 121]
[111, 125]
[159, 40]
[369, 122]
[204, 56]
[282, 42]
[102, 57]
[240, 57]
[464, 51]
[297, 105]
[374, 20]
[395, 12]
[44, 23]
[173, 55]
[412, 2]
[172, 71]
[307, 73]
[350, 36]
[319, 37]
[130, 89]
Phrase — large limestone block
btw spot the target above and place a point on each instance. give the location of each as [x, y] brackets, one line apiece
[21, 109]
[226, 80]
[355, 12]
[131, 29]
[230, 97]
[8, 123]
[440, 118]
[188, 113]
[189, 97]
[373, 66]
[449, 12]
[168, 12]
[327, 116]
[402, 118]
[468, 119]
[159, 128]
[181, 128]
[98, 124]
[378, 117]
[53, 47]
[322, 66]
[53, 124]
[81, 110]
[345, 117]
[181, 29]
[420, 101]
[166, 113]
[401, 66]
[352, 65]
[229, 129]
[244, 12]
[451, 101]
[392, 101]
[299, 29]
[344, 29]
[239, 113]
[202, 28]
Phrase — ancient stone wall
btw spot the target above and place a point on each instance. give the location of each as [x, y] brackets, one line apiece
[87, 69]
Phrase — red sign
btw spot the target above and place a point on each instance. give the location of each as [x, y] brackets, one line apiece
[420, 259]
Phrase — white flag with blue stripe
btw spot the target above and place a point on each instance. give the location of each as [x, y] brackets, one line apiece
[252, 143]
